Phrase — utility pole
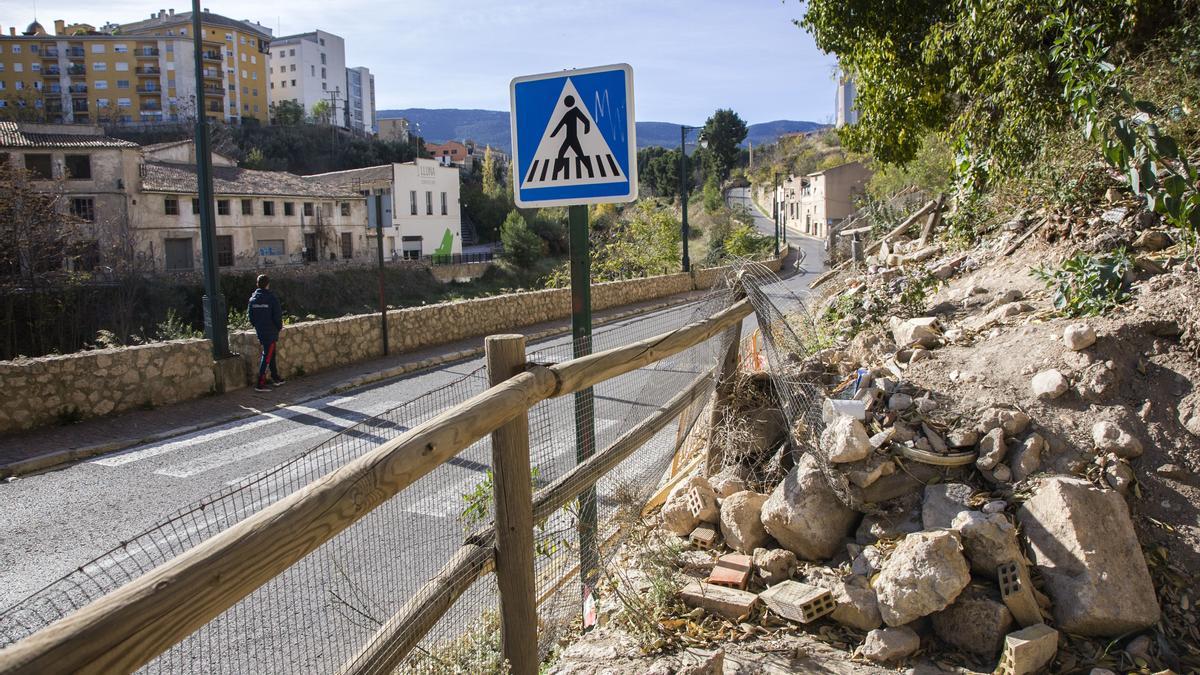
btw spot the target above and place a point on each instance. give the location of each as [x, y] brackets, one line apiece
[333, 99]
[683, 192]
[776, 211]
[585, 418]
[215, 321]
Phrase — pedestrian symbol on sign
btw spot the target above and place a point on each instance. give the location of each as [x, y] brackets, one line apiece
[572, 151]
[573, 137]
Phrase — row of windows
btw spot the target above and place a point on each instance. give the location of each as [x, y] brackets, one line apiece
[75, 167]
[412, 203]
[171, 207]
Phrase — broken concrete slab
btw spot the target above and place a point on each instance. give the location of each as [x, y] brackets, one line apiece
[804, 514]
[977, 622]
[1082, 541]
[798, 602]
[889, 645]
[943, 502]
[727, 602]
[1028, 650]
[925, 573]
[741, 522]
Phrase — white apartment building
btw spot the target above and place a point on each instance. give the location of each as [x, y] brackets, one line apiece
[847, 113]
[360, 99]
[417, 203]
[306, 68]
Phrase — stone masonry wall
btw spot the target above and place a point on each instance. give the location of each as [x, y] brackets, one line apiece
[51, 389]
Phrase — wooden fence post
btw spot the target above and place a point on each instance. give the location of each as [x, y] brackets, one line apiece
[512, 485]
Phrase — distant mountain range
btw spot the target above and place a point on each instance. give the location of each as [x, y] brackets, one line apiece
[491, 127]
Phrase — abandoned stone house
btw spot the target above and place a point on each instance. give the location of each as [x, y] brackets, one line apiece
[815, 202]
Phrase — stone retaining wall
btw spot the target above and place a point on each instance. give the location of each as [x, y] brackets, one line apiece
[53, 389]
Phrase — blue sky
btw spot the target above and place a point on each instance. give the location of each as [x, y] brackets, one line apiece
[689, 57]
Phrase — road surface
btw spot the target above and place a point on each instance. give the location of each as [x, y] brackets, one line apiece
[58, 521]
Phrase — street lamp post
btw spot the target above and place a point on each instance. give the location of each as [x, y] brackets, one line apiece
[683, 191]
[775, 195]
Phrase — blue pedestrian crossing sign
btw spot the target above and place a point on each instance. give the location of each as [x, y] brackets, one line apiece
[573, 137]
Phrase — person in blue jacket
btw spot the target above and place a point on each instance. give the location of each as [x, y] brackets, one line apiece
[266, 315]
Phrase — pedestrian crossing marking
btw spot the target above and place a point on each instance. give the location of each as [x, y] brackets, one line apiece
[572, 150]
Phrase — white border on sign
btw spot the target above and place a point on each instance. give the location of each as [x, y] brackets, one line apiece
[632, 133]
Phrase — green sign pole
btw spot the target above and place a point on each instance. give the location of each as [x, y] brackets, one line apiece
[585, 420]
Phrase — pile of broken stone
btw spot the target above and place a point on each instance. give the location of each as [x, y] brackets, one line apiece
[907, 528]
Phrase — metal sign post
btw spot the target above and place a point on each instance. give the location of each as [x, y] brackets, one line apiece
[574, 145]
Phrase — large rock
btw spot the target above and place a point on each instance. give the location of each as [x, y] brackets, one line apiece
[920, 331]
[991, 449]
[774, 564]
[856, 603]
[977, 622]
[887, 645]
[943, 502]
[1079, 336]
[805, 516]
[1028, 458]
[1082, 540]
[988, 540]
[1049, 384]
[729, 480]
[895, 520]
[1110, 437]
[741, 523]
[845, 440]
[924, 575]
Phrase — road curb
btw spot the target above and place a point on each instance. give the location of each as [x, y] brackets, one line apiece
[58, 458]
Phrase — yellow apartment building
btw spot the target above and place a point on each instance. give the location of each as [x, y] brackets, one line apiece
[139, 72]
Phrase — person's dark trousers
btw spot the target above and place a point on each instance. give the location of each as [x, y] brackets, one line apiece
[267, 360]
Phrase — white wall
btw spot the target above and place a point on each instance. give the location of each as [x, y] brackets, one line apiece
[310, 87]
[427, 176]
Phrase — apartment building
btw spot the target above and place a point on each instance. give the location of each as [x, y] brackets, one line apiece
[417, 203]
[450, 152]
[360, 99]
[818, 201]
[307, 68]
[394, 129]
[846, 112]
[141, 72]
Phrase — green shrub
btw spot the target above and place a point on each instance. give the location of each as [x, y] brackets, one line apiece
[744, 242]
[1088, 285]
[522, 246]
[175, 328]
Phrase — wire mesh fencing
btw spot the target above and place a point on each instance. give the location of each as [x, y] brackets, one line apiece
[324, 612]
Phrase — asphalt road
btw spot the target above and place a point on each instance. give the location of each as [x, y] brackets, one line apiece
[57, 521]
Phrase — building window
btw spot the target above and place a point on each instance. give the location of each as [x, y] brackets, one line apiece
[289, 208]
[345, 209]
[122, 84]
[411, 247]
[308, 209]
[292, 52]
[79, 167]
[347, 244]
[222, 207]
[40, 166]
[412, 201]
[428, 203]
[100, 84]
[84, 208]
[247, 207]
[224, 246]
[293, 68]
[99, 66]
[322, 73]
[268, 208]
[121, 48]
[195, 205]
[444, 207]
[171, 206]
[178, 253]
[322, 58]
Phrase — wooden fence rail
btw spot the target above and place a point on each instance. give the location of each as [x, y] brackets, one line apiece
[133, 624]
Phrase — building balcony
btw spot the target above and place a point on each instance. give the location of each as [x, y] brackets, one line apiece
[148, 70]
[75, 52]
[52, 71]
[50, 53]
[79, 107]
[150, 104]
[149, 89]
[54, 109]
[210, 56]
[214, 91]
[214, 108]
[212, 74]
[78, 89]
[76, 70]
[146, 52]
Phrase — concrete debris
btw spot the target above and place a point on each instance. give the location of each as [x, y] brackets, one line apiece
[846, 440]
[921, 331]
[1082, 541]
[798, 602]
[1028, 458]
[732, 570]
[889, 645]
[677, 513]
[774, 564]
[1050, 384]
[857, 607]
[988, 540]
[1016, 590]
[704, 537]
[1028, 650]
[727, 602]
[1172, 471]
[977, 622]
[804, 514]
[943, 502]
[1079, 336]
[924, 574]
[900, 402]
[741, 523]
[729, 480]
[991, 449]
[702, 502]
[1110, 437]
